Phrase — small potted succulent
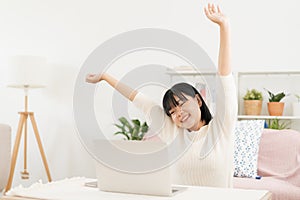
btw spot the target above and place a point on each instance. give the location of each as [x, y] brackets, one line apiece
[275, 107]
[252, 102]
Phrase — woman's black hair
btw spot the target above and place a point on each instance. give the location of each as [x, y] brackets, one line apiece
[179, 90]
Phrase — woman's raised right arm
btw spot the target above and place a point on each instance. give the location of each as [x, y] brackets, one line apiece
[155, 116]
[124, 89]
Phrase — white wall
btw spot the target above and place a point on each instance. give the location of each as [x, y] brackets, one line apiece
[265, 36]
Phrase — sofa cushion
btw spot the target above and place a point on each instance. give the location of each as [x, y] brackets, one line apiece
[5, 150]
[247, 138]
[278, 164]
[279, 155]
[279, 188]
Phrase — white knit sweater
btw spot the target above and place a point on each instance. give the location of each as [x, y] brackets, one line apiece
[209, 159]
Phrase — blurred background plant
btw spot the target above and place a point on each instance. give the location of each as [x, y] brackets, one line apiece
[253, 94]
[134, 131]
[276, 124]
[298, 97]
[275, 97]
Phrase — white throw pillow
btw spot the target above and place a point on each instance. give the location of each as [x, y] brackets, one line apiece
[247, 138]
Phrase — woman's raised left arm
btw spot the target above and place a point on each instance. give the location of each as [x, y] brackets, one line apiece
[215, 14]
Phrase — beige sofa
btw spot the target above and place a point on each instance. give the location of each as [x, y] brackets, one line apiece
[5, 153]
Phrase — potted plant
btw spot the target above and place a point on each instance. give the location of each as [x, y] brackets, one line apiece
[275, 107]
[134, 131]
[252, 102]
[296, 106]
[275, 124]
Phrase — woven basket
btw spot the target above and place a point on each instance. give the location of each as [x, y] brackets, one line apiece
[252, 107]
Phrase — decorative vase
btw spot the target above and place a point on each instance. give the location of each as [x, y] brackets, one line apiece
[296, 109]
[275, 108]
[252, 107]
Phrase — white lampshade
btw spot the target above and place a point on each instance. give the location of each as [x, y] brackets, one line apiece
[27, 71]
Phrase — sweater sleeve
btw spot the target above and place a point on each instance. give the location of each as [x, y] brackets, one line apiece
[158, 121]
[222, 125]
[226, 103]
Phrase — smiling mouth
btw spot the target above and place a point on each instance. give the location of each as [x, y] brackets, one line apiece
[184, 118]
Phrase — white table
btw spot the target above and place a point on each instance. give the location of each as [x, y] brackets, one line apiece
[74, 189]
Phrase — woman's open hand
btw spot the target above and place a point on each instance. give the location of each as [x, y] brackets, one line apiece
[215, 14]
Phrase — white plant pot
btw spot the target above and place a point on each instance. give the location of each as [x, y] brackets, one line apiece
[296, 109]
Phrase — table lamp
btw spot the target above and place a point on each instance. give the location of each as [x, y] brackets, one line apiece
[26, 74]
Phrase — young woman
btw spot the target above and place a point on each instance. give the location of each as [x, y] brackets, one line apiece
[209, 160]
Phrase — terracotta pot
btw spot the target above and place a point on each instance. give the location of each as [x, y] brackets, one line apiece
[275, 108]
[252, 107]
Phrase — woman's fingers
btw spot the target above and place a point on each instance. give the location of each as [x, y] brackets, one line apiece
[90, 78]
[87, 78]
[209, 6]
[219, 10]
[213, 8]
[206, 11]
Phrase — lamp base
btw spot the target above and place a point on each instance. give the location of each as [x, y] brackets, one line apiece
[24, 175]
[22, 122]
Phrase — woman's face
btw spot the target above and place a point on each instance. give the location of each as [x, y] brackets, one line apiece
[187, 113]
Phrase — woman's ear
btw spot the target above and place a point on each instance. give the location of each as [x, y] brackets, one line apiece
[198, 100]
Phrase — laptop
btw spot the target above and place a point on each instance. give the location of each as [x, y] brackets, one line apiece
[143, 173]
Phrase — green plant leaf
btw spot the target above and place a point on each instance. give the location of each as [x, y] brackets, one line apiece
[120, 127]
[144, 127]
[275, 98]
[125, 122]
[136, 122]
[276, 124]
[135, 132]
[298, 97]
[279, 96]
[132, 132]
[253, 95]
[123, 133]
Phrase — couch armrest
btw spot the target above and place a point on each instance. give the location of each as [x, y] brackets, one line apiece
[5, 153]
[279, 154]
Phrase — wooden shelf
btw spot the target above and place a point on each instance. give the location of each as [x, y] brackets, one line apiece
[268, 117]
[265, 73]
[190, 72]
[244, 80]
